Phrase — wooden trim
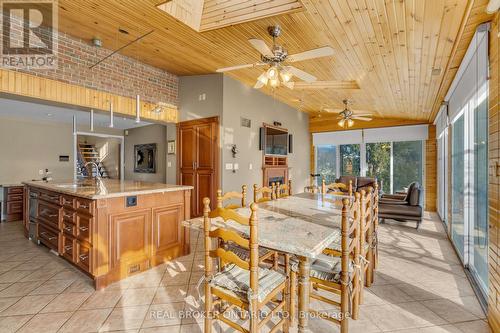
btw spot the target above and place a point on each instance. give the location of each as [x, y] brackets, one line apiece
[38, 88]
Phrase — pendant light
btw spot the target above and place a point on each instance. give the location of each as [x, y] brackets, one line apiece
[137, 109]
[111, 123]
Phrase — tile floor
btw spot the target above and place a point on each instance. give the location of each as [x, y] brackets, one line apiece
[420, 287]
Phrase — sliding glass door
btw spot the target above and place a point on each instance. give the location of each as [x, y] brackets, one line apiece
[458, 184]
[478, 261]
[326, 162]
[408, 164]
[350, 160]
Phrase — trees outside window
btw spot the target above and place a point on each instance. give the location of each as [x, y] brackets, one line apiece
[350, 164]
[378, 160]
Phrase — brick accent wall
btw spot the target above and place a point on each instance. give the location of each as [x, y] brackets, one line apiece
[119, 75]
[494, 181]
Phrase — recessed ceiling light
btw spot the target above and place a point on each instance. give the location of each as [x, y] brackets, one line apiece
[49, 114]
[436, 71]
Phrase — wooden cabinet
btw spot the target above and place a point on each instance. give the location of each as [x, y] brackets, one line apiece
[13, 203]
[108, 239]
[198, 159]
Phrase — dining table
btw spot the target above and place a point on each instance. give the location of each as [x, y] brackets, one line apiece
[302, 225]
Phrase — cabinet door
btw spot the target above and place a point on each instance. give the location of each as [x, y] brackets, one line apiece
[167, 231]
[186, 160]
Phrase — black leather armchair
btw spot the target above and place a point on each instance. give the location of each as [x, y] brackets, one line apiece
[407, 207]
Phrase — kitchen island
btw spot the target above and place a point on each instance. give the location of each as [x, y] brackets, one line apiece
[110, 229]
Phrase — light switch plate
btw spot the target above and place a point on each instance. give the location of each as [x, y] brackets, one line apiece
[169, 164]
[229, 166]
[250, 166]
[236, 166]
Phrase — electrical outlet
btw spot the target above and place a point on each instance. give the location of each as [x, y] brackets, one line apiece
[250, 166]
[236, 166]
[229, 166]
[169, 164]
[40, 172]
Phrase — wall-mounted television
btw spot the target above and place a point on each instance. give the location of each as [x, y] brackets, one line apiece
[274, 141]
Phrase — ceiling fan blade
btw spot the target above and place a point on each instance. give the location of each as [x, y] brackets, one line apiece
[232, 68]
[288, 84]
[259, 84]
[361, 118]
[261, 46]
[311, 54]
[363, 114]
[301, 74]
[333, 110]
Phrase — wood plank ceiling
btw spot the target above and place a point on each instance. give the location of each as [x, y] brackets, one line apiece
[397, 50]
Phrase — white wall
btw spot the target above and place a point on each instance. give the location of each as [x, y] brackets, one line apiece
[230, 100]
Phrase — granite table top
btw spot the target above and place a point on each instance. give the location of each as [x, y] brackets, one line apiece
[106, 188]
[303, 224]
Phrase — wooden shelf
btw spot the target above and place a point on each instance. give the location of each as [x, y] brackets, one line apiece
[275, 160]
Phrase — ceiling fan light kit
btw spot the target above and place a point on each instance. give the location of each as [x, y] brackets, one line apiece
[280, 73]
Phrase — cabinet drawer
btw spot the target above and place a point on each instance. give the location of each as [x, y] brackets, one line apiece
[14, 197]
[69, 248]
[67, 201]
[15, 207]
[83, 227]
[50, 197]
[83, 258]
[49, 214]
[48, 237]
[69, 228]
[15, 190]
[68, 215]
[84, 205]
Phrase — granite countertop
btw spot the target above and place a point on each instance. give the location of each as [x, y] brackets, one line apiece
[295, 225]
[10, 184]
[106, 188]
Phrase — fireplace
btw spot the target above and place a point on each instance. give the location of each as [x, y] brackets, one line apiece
[275, 180]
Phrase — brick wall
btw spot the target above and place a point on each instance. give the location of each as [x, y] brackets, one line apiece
[118, 75]
[494, 182]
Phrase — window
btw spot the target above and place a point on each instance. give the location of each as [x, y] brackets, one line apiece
[407, 164]
[350, 157]
[378, 160]
[326, 162]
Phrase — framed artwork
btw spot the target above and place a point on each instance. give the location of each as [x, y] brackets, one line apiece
[171, 147]
[145, 158]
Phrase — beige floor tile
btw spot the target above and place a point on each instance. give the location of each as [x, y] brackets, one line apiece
[85, 321]
[13, 276]
[391, 294]
[175, 278]
[452, 312]
[13, 323]
[133, 297]
[6, 266]
[46, 323]
[164, 315]
[52, 287]
[163, 329]
[39, 275]
[400, 316]
[5, 302]
[66, 302]
[125, 318]
[81, 286]
[477, 326]
[28, 305]
[170, 294]
[102, 299]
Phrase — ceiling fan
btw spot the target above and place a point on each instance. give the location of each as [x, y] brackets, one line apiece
[277, 57]
[347, 115]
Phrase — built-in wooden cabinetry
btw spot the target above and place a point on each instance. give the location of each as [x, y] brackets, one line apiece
[198, 159]
[13, 203]
[108, 238]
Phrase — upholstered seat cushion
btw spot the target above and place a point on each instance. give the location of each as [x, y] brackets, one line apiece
[327, 268]
[245, 253]
[235, 281]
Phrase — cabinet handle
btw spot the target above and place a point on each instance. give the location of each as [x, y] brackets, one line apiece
[51, 238]
[83, 256]
[43, 233]
[83, 228]
[67, 228]
[68, 247]
[52, 198]
[84, 206]
[68, 216]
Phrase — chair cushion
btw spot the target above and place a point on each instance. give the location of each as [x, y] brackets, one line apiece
[388, 210]
[410, 190]
[327, 268]
[235, 281]
[245, 253]
[414, 196]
